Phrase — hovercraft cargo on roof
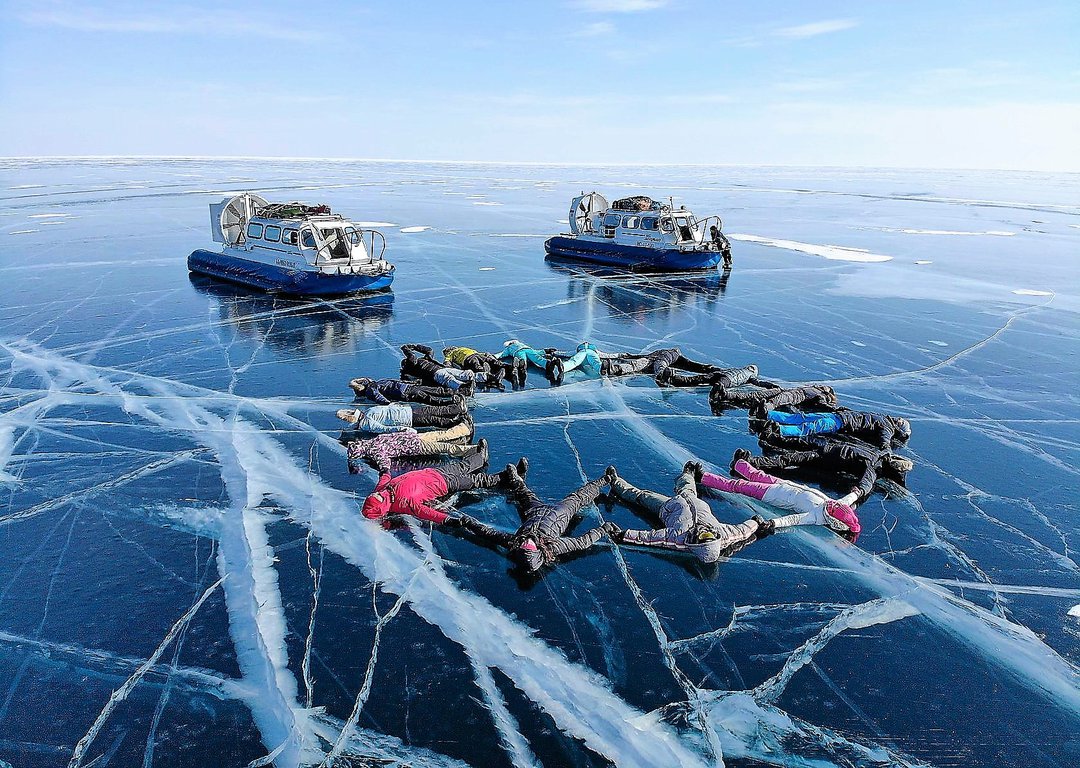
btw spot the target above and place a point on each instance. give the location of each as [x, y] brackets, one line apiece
[292, 248]
[639, 233]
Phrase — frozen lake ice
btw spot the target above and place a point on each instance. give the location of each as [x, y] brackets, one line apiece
[186, 579]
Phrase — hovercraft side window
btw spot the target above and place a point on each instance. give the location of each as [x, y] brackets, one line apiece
[649, 223]
[272, 234]
[288, 237]
[666, 225]
[630, 222]
[611, 221]
[307, 239]
[254, 231]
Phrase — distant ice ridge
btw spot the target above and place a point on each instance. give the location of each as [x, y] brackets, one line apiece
[991, 232]
[410, 230]
[834, 252]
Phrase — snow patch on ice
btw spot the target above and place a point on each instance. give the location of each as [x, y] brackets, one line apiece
[992, 232]
[924, 261]
[1075, 611]
[937, 343]
[858, 343]
[50, 215]
[28, 186]
[22, 231]
[410, 230]
[834, 252]
[374, 224]
[487, 269]
[514, 234]
[7, 445]
[1032, 292]
[485, 202]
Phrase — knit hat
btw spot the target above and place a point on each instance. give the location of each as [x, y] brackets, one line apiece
[376, 505]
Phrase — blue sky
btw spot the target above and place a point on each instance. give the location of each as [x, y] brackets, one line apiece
[909, 84]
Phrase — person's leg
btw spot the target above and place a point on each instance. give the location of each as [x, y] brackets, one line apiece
[437, 415]
[456, 432]
[741, 487]
[783, 459]
[753, 474]
[785, 418]
[736, 377]
[649, 500]
[574, 502]
[429, 395]
[672, 379]
[686, 364]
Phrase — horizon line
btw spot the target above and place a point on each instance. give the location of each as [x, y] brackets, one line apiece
[287, 158]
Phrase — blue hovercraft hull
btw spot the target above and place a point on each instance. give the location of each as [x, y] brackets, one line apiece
[631, 257]
[270, 277]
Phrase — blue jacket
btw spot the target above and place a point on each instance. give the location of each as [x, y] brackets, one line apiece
[587, 358]
[384, 391]
[514, 349]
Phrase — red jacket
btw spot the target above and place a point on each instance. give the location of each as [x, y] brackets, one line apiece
[406, 495]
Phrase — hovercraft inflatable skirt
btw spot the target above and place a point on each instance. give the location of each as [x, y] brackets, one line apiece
[631, 257]
[270, 277]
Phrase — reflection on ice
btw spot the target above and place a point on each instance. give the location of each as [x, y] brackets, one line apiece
[298, 326]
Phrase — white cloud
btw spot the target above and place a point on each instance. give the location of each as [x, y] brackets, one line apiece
[596, 29]
[816, 28]
[619, 6]
[180, 20]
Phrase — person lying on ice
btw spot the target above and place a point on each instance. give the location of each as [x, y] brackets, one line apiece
[547, 361]
[878, 429]
[835, 458]
[769, 397]
[398, 416]
[663, 364]
[541, 539]
[381, 450]
[469, 359]
[684, 518]
[411, 492]
[419, 364]
[383, 391]
[808, 505]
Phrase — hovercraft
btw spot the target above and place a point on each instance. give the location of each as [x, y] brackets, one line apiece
[292, 248]
[639, 234]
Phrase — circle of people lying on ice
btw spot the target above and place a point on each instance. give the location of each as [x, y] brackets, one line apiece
[799, 429]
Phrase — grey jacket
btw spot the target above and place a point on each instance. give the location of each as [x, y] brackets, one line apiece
[680, 514]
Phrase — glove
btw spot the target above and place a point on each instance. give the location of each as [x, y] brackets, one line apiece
[696, 468]
[455, 521]
[612, 530]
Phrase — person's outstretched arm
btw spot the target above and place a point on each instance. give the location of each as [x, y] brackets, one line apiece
[422, 511]
[374, 393]
[484, 531]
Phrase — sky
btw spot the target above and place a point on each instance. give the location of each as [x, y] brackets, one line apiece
[943, 84]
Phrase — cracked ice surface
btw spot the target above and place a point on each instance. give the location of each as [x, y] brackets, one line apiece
[187, 579]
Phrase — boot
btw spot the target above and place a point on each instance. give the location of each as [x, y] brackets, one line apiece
[555, 370]
[482, 449]
[522, 368]
[741, 454]
[522, 466]
[495, 379]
